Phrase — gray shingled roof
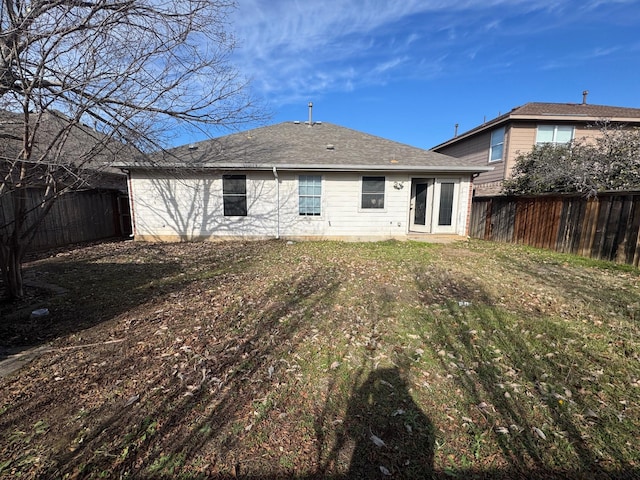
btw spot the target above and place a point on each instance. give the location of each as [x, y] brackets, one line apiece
[84, 147]
[296, 145]
[83, 142]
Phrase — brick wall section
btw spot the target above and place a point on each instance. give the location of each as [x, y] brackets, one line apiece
[467, 227]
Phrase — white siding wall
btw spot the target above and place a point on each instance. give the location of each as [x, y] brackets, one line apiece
[190, 207]
[341, 213]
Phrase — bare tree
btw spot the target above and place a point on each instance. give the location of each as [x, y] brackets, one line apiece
[610, 162]
[122, 73]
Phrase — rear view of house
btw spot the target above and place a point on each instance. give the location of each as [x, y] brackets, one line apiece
[498, 142]
[300, 180]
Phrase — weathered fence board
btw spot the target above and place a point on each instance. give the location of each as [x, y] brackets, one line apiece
[75, 217]
[605, 227]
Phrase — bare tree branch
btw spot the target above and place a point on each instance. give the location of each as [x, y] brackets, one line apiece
[132, 69]
[611, 162]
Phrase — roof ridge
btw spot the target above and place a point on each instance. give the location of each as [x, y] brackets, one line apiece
[574, 104]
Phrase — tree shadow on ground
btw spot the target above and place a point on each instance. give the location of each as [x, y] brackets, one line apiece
[84, 287]
[192, 380]
[201, 400]
[92, 293]
[522, 385]
[565, 279]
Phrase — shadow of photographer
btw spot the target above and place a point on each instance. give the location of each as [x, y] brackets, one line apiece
[390, 434]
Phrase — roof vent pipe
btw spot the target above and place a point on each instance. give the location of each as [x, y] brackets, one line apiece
[310, 114]
[584, 96]
[455, 132]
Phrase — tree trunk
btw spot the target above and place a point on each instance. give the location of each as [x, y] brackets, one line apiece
[17, 237]
[11, 267]
[13, 247]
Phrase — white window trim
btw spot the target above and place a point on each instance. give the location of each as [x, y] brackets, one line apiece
[311, 217]
[492, 145]
[436, 206]
[245, 195]
[385, 193]
[555, 134]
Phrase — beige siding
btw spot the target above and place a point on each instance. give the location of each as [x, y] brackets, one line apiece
[586, 133]
[522, 139]
[519, 138]
[191, 208]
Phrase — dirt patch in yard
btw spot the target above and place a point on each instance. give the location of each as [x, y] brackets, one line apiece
[324, 360]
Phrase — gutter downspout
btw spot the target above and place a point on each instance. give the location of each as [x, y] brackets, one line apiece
[275, 175]
[130, 195]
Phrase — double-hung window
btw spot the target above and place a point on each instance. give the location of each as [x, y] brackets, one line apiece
[309, 195]
[555, 134]
[234, 195]
[497, 145]
[372, 192]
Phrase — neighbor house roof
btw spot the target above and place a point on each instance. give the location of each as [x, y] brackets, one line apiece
[578, 110]
[83, 148]
[564, 112]
[301, 146]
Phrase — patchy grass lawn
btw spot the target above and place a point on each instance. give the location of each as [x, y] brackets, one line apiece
[326, 360]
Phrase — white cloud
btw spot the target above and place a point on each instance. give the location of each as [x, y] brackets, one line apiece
[293, 49]
[413, 37]
[602, 52]
[582, 57]
[593, 4]
[389, 65]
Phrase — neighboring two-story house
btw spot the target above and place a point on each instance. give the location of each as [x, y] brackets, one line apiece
[498, 142]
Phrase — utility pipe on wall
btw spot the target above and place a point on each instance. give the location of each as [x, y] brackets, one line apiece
[275, 175]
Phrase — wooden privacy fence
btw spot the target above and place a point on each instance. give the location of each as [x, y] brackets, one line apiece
[77, 217]
[604, 227]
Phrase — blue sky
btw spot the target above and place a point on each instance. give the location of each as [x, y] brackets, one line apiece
[409, 70]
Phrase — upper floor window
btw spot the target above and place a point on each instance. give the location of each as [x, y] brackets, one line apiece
[234, 195]
[372, 192]
[554, 134]
[496, 150]
[309, 194]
